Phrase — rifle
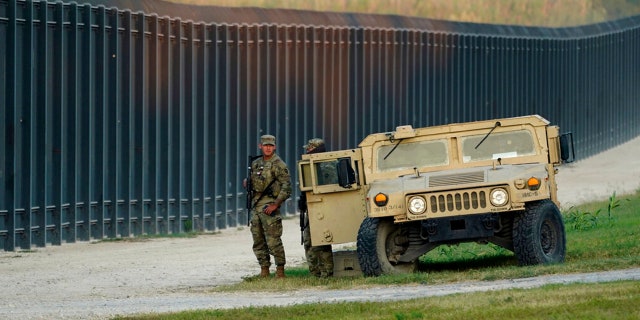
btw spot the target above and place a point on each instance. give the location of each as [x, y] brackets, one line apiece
[302, 207]
[249, 204]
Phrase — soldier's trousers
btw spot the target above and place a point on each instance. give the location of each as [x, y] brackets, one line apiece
[319, 258]
[267, 238]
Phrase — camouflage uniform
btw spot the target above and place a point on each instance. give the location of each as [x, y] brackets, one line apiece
[319, 258]
[267, 229]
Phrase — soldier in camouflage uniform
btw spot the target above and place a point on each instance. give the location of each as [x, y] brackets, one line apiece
[271, 184]
[319, 258]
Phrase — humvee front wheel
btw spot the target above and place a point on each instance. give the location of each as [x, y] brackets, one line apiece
[538, 234]
[380, 244]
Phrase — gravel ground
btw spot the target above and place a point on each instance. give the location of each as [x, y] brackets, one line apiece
[104, 279]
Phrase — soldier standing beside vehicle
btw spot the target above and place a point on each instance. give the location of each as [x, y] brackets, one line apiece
[271, 183]
[319, 258]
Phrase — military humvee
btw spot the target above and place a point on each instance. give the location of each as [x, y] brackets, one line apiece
[401, 194]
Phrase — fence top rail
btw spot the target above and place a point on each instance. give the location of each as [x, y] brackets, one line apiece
[237, 16]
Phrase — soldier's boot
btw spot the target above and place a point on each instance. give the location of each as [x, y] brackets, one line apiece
[264, 272]
[280, 272]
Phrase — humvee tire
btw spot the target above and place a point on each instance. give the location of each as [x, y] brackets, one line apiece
[538, 234]
[378, 239]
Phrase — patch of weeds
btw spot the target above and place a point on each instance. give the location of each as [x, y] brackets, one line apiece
[581, 220]
[586, 220]
[445, 251]
[613, 204]
[187, 225]
[411, 315]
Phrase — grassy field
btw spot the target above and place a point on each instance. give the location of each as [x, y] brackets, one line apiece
[551, 13]
[600, 236]
[617, 300]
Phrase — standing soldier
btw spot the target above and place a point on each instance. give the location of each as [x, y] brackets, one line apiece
[271, 184]
[319, 258]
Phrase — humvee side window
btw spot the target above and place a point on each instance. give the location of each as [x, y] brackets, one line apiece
[327, 172]
[498, 145]
[413, 154]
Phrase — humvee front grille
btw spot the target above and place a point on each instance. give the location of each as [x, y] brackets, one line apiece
[455, 179]
[457, 201]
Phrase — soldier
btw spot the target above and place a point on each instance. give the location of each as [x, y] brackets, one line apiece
[319, 258]
[271, 183]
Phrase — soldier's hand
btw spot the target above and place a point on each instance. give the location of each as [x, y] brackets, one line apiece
[269, 209]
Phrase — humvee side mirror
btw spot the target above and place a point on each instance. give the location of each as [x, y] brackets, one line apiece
[567, 153]
[346, 175]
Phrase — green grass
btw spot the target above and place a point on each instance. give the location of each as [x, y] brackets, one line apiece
[618, 300]
[612, 242]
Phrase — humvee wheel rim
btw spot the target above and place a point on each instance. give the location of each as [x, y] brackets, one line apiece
[548, 238]
[395, 245]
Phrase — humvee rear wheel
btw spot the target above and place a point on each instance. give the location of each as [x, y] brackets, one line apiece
[538, 234]
[380, 244]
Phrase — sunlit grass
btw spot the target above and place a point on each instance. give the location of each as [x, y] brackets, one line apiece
[618, 300]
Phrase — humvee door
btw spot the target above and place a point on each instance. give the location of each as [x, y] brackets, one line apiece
[336, 208]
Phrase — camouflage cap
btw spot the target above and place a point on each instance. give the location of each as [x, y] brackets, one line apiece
[268, 139]
[313, 143]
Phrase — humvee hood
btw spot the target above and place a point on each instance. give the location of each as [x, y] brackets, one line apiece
[458, 178]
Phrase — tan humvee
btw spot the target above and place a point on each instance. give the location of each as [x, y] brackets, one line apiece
[401, 194]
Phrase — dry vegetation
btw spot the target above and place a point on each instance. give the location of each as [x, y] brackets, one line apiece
[552, 13]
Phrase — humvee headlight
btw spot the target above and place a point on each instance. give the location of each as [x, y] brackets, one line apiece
[533, 183]
[381, 199]
[417, 205]
[499, 197]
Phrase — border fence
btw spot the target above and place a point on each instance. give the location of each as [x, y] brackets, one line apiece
[116, 123]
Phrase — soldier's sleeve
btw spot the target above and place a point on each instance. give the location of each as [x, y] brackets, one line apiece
[284, 178]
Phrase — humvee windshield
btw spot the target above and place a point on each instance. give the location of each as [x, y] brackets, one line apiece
[435, 152]
[413, 154]
[497, 145]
